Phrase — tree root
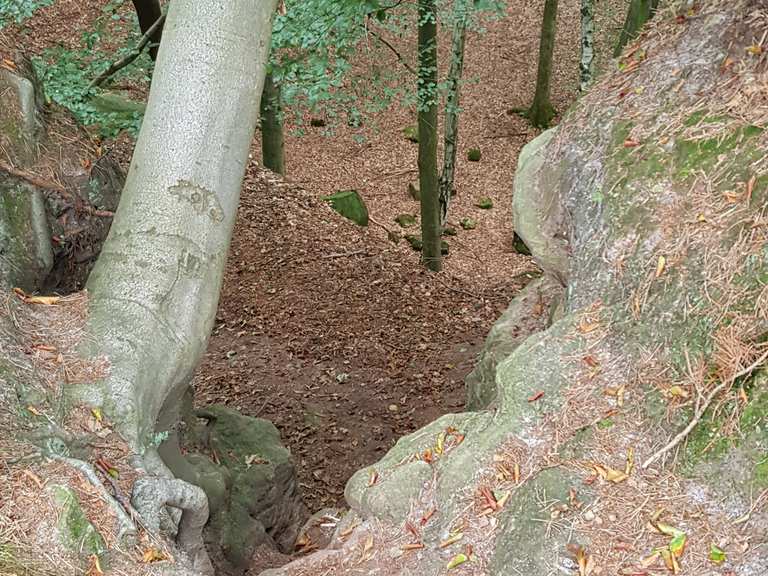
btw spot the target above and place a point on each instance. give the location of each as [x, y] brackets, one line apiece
[151, 494]
[126, 531]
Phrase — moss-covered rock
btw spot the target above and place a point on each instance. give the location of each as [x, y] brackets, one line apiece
[253, 491]
[468, 223]
[26, 254]
[485, 203]
[405, 220]
[75, 530]
[349, 204]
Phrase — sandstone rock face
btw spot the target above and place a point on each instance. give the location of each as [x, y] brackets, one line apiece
[648, 204]
[50, 230]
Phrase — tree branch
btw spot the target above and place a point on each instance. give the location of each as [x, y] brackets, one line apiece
[35, 180]
[135, 53]
[381, 39]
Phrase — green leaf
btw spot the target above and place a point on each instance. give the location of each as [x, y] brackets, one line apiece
[457, 560]
[716, 555]
[677, 545]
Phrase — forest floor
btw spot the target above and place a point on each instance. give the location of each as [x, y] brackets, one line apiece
[331, 331]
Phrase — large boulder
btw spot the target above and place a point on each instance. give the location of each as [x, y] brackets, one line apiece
[250, 479]
[56, 196]
[648, 203]
[531, 311]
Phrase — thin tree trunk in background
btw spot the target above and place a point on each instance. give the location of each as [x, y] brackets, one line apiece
[451, 136]
[639, 12]
[272, 141]
[148, 12]
[587, 44]
[427, 103]
[541, 111]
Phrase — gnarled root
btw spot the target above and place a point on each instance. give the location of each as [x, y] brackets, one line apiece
[126, 532]
[150, 496]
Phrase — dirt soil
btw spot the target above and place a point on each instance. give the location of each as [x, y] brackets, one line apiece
[334, 333]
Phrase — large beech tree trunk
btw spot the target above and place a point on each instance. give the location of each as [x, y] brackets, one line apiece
[155, 288]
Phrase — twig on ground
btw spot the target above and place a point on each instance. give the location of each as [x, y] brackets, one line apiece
[457, 290]
[387, 175]
[392, 235]
[702, 409]
[135, 53]
[127, 527]
[344, 254]
[33, 179]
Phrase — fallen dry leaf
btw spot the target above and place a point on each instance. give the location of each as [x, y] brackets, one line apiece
[153, 554]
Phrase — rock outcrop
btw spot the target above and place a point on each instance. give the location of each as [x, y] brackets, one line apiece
[648, 204]
[56, 196]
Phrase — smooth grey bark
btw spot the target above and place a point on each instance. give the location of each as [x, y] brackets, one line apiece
[272, 139]
[155, 288]
[587, 57]
[427, 95]
[451, 134]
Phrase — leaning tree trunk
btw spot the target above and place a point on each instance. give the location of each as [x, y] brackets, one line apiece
[427, 102]
[638, 13]
[155, 288]
[272, 141]
[451, 137]
[541, 111]
[149, 12]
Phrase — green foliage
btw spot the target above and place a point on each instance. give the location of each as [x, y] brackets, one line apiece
[66, 73]
[19, 10]
[314, 42]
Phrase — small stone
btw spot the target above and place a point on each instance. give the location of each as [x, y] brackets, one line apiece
[393, 408]
[588, 516]
[349, 204]
[485, 203]
[474, 155]
[612, 517]
[519, 245]
[468, 223]
[405, 220]
[414, 241]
